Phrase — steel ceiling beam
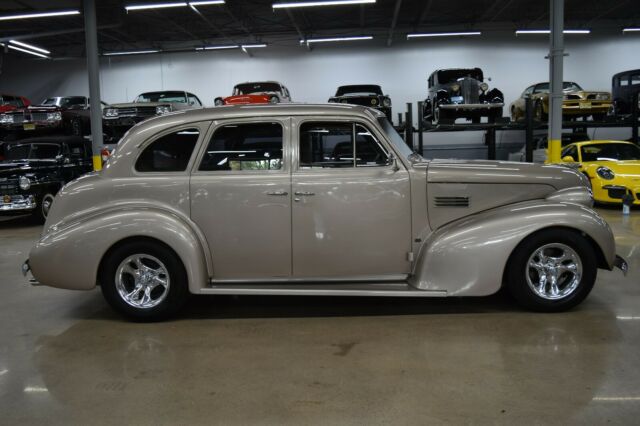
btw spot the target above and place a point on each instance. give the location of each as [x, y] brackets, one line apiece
[425, 12]
[211, 24]
[394, 21]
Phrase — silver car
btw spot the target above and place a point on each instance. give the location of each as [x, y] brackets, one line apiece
[316, 200]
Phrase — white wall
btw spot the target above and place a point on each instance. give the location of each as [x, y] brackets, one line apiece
[512, 63]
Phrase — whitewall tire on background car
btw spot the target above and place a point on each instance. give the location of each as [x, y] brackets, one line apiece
[552, 270]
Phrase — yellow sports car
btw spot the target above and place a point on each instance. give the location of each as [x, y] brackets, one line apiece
[613, 168]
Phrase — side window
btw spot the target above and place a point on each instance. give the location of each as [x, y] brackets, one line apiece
[572, 151]
[251, 146]
[170, 153]
[528, 91]
[330, 145]
[44, 151]
[193, 100]
[635, 79]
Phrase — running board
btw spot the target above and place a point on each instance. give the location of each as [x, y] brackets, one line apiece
[400, 289]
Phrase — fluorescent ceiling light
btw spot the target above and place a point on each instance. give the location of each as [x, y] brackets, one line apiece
[251, 46]
[630, 30]
[465, 33]
[29, 46]
[217, 47]
[320, 3]
[549, 32]
[136, 52]
[324, 40]
[174, 4]
[28, 51]
[205, 3]
[39, 15]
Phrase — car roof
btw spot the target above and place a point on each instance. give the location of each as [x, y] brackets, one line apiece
[261, 81]
[597, 142]
[626, 72]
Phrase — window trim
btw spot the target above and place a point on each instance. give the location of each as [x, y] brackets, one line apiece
[285, 122]
[353, 120]
[202, 127]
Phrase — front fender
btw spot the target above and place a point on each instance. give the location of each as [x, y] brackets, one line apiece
[69, 257]
[468, 257]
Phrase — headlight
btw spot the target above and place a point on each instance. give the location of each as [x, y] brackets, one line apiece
[6, 118]
[602, 96]
[218, 102]
[605, 173]
[455, 87]
[24, 183]
[274, 100]
[54, 116]
[484, 87]
[374, 101]
[111, 112]
[163, 109]
[386, 102]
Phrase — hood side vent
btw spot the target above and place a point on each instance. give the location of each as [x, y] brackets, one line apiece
[451, 201]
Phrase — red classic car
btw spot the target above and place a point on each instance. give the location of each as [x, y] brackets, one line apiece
[266, 92]
[10, 102]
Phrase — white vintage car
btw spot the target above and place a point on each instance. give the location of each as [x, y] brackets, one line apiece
[316, 200]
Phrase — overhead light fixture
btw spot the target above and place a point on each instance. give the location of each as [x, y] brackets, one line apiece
[27, 51]
[630, 30]
[320, 3]
[148, 6]
[251, 46]
[218, 47]
[464, 33]
[518, 32]
[30, 46]
[39, 15]
[133, 52]
[330, 39]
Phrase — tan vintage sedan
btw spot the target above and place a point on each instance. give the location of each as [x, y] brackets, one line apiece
[314, 200]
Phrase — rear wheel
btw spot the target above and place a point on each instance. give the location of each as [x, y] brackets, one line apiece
[552, 270]
[144, 281]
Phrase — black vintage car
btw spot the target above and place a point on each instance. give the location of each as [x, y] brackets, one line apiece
[625, 90]
[33, 171]
[461, 93]
[370, 95]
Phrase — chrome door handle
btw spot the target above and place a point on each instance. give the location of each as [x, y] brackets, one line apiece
[304, 193]
[278, 193]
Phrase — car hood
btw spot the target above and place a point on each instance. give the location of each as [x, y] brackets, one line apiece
[10, 168]
[624, 168]
[255, 98]
[138, 104]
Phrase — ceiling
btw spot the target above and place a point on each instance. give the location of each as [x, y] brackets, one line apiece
[246, 21]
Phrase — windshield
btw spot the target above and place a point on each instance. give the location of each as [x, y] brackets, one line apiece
[248, 88]
[50, 101]
[610, 152]
[396, 139]
[567, 86]
[363, 89]
[451, 76]
[172, 97]
[32, 152]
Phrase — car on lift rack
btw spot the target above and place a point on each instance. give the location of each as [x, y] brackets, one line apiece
[369, 95]
[264, 92]
[540, 146]
[33, 171]
[625, 90]
[118, 118]
[316, 200]
[461, 93]
[576, 102]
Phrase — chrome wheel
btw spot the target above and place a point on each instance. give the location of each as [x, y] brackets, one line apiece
[142, 281]
[554, 271]
[47, 200]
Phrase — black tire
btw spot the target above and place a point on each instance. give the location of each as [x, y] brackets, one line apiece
[174, 297]
[476, 120]
[518, 270]
[538, 112]
[598, 117]
[441, 117]
[42, 209]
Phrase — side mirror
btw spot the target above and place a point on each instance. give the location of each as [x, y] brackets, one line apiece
[394, 161]
[568, 159]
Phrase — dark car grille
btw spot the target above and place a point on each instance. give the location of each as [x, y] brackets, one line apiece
[573, 97]
[470, 90]
[38, 116]
[21, 117]
[18, 117]
[370, 101]
[8, 187]
[137, 111]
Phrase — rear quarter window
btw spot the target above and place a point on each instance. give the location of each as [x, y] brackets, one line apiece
[169, 153]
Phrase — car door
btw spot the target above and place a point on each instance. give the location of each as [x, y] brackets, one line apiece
[241, 198]
[351, 210]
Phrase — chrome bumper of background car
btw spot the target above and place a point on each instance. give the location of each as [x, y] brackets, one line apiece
[621, 264]
[17, 203]
[471, 106]
[25, 270]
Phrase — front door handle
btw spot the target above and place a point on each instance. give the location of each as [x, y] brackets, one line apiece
[278, 193]
[304, 193]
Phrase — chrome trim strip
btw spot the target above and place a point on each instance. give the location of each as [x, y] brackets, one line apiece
[286, 280]
[400, 289]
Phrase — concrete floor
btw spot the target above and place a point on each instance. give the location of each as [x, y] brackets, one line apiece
[66, 358]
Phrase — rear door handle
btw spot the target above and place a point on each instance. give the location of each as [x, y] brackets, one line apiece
[278, 193]
[304, 193]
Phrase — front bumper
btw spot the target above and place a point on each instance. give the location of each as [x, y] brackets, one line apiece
[465, 107]
[621, 264]
[17, 204]
[586, 107]
[613, 191]
[33, 126]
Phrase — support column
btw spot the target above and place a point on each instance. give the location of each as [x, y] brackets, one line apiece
[556, 56]
[93, 68]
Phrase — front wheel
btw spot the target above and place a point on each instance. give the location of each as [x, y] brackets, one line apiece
[42, 209]
[144, 281]
[552, 270]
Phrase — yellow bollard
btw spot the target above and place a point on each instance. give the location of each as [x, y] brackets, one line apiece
[97, 163]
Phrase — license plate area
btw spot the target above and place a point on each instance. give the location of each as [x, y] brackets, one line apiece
[29, 126]
[457, 99]
[585, 105]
